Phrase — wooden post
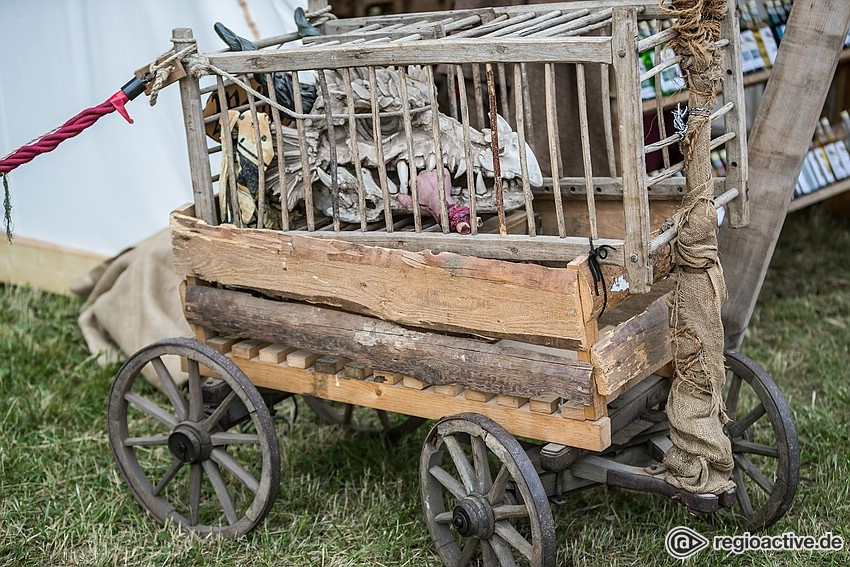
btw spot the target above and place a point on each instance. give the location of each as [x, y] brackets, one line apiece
[313, 5]
[630, 121]
[196, 139]
[779, 140]
[736, 121]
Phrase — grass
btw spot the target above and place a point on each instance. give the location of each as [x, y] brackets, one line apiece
[348, 501]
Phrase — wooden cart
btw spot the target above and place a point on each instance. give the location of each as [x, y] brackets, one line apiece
[548, 323]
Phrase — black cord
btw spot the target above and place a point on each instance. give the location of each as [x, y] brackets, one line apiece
[593, 258]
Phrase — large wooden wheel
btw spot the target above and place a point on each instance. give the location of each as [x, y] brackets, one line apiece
[173, 448]
[482, 498]
[764, 443]
[359, 419]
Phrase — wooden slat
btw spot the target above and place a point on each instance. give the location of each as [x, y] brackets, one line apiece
[630, 118]
[633, 349]
[196, 139]
[499, 50]
[274, 353]
[429, 357]
[737, 167]
[392, 284]
[302, 358]
[248, 348]
[509, 247]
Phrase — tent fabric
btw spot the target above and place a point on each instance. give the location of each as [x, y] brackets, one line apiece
[114, 184]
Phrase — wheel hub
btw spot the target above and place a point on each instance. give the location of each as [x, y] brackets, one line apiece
[473, 517]
[189, 444]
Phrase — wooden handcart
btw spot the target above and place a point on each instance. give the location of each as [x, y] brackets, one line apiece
[539, 342]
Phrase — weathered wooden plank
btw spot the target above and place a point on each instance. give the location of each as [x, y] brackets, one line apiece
[778, 143]
[356, 370]
[737, 163]
[196, 139]
[429, 357]
[426, 52]
[446, 292]
[630, 122]
[330, 364]
[635, 348]
[493, 246]
[590, 435]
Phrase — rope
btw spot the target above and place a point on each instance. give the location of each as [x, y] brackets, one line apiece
[49, 141]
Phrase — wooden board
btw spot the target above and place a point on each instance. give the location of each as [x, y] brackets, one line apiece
[444, 292]
[429, 357]
[634, 349]
[590, 435]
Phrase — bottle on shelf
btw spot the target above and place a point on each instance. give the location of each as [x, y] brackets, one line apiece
[751, 58]
[764, 35]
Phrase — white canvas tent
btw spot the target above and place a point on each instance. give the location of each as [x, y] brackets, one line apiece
[114, 184]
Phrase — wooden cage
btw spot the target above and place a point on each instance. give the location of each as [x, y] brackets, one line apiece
[503, 321]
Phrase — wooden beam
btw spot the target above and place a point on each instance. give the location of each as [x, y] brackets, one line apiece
[779, 141]
[444, 292]
[556, 428]
[426, 52]
[429, 357]
[635, 348]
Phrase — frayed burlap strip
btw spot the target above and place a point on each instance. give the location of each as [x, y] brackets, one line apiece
[701, 458]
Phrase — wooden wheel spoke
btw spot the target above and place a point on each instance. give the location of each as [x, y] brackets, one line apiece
[220, 491]
[468, 552]
[449, 482]
[737, 428]
[169, 386]
[196, 395]
[152, 441]
[741, 491]
[732, 396]
[509, 533]
[443, 518]
[497, 491]
[502, 551]
[219, 412]
[481, 464]
[464, 467]
[169, 476]
[754, 473]
[507, 511]
[151, 409]
[744, 446]
[195, 477]
[227, 461]
[228, 438]
[385, 420]
[347, 414]
[488, 555]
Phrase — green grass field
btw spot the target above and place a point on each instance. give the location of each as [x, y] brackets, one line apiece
[353, 500]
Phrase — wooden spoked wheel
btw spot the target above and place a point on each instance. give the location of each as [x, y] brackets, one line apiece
[173, 447]
[484, 503]
[359, 419]
[764, 443]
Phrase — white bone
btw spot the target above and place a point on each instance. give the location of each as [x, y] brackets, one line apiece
[480, 188]
[403, 176]
[432, 161]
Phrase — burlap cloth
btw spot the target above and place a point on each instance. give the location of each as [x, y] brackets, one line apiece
[132, 300]
[701, 458]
